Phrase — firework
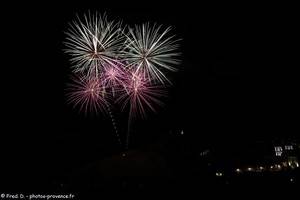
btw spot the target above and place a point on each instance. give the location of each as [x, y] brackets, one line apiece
[150, 50]
[140, 94]
[87, 94]
[93, 42]
[113, 77]
[118, 67]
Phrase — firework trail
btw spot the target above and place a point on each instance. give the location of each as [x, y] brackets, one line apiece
[152, 51]
[90, 96]
[114, 123]
[112, 78]
[139, 94]
[93, 42]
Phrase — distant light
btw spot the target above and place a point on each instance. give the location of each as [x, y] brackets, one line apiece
[238, 170]
[292, 180]
[271, 167]
[297, 164]
[261, 168]
[249, 169]
[279, 166]
[219, 174]
[204, 153]
[182, 132]
[123, 154]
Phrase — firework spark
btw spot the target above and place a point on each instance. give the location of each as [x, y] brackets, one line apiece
[93, 42]
[150, 50]
[87, 94]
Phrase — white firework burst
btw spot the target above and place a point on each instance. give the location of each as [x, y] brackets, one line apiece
[93, 42]
[151, 50]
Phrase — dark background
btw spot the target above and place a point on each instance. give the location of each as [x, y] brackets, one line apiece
[237, 83]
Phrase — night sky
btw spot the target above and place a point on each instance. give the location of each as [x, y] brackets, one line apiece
[237, 83]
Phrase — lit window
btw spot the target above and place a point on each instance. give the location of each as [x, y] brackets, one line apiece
[288, 147]
[278, 150]
[278, 153]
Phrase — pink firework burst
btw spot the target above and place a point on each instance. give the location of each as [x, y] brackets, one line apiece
[113, 77]
[87, 93]
[140, 94]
